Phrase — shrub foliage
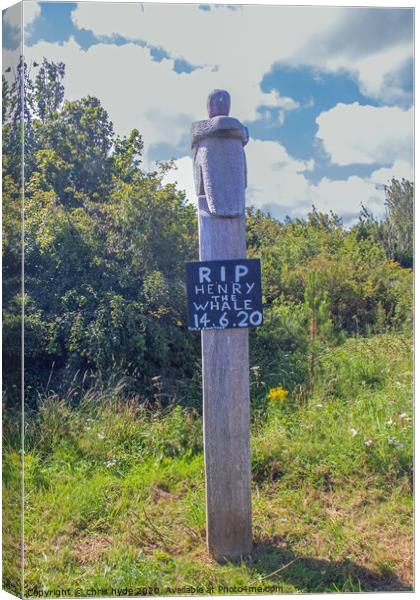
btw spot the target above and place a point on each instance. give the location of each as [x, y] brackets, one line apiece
[105, 244]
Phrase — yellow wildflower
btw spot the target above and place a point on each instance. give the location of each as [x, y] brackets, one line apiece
[277, 394]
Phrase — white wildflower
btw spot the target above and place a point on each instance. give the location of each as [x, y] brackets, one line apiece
[353, 432]
[368, 443]
[101, 436]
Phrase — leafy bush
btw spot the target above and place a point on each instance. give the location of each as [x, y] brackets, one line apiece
[105, 248]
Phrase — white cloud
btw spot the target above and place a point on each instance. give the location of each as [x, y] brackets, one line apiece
[234, 50]
[288, 103]
[216, 37]
[162, 103]
[148, 94]
[31, 11]
[12, 15]
[346, 197]
[274, 177]
[134, 89]
[375, 70]
[373, 45]
[17, 16]
[400, 170]
[245, 43]
[141, 101]
[352, 133]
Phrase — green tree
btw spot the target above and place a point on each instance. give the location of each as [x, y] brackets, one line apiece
[398, 224]
[73, 152]
[48, 89]
[105, 247]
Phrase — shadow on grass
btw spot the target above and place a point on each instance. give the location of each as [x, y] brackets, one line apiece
[319, 575]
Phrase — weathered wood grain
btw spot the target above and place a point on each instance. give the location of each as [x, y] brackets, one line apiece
[226, 406]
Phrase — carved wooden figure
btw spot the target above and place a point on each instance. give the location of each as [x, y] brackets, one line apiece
[220, 179]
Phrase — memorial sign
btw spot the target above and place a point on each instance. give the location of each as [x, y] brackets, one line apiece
[220, 178]
[224, 294]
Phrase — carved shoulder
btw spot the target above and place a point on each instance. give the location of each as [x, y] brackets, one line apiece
[218, 126]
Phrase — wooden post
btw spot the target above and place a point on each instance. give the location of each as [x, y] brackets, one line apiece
[225, 360]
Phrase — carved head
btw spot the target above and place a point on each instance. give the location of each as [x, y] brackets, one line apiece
[218, 103]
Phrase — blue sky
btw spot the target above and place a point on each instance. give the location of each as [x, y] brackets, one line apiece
[326, 92]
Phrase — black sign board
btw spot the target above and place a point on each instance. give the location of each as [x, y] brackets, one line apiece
[223, 294]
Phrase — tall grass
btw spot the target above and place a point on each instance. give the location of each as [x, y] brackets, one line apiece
[114, 491]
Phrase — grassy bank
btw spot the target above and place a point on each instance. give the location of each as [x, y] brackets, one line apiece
[115, 494]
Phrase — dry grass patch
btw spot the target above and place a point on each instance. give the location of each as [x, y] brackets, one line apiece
[90, 549]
